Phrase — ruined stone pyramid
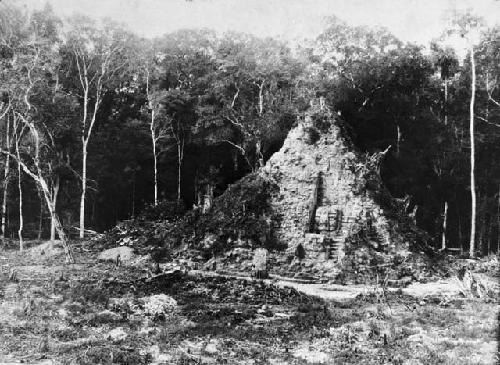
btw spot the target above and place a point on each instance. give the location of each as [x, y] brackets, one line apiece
[330, 202]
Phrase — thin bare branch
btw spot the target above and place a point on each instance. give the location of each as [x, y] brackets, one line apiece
[241, 149]
[487, 121]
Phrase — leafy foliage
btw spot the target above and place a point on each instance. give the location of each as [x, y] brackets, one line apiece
[218, 106]
[240, 215]
[163, 211]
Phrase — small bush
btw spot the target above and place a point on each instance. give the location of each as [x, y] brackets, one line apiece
[322, 122]
[164, 210]
[312, 135]
[242, 212]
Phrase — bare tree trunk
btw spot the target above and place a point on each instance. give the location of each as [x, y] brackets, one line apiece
[55, 219]
[180, 157]
[155, 158]
[180, 153]
[55, 193]
[84, 189]
[445, 101]
[133, 196]
[258, 153]
[86, 135]
[90, 81]
[20, 192]
[445, 221]
[261, 97]
[40, 221]
[398, 141]
[47, 193]
[62, 236]
[6, 173]
[154, 138]
[487, 245]
[52, 231]
[208, 198]
[42, 184]
[472, 243]
[498, 219]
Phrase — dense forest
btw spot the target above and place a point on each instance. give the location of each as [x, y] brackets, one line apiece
[99, 125]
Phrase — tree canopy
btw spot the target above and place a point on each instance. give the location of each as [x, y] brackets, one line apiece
[188, 113]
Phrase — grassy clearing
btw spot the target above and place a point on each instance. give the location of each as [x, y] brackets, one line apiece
[87, 314]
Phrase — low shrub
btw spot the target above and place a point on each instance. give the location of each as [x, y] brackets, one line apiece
[312, 135]
[164, 210]
[322, 122]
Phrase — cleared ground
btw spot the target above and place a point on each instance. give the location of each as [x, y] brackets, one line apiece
[90, 313]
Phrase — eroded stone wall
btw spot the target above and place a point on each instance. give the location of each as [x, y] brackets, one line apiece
[343, 201]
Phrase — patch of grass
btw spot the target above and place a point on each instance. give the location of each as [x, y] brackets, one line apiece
[113, 355]
[90, 293]
[68, 334]
[431, 316]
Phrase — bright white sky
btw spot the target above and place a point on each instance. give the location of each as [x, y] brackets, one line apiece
[411, 20]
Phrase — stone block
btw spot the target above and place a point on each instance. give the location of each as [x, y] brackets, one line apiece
[260, 258]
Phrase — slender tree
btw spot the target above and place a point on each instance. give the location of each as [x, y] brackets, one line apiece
[6, 172]
[37, 174]
[97, 57]
[18, 135]
[157, 126]
[468, 27]
[472, 242]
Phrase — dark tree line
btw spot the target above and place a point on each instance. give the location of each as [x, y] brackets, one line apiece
[98, 124]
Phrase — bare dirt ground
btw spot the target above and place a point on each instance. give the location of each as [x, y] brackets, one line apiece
[96, 313]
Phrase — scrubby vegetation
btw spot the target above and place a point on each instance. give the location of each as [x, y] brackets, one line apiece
[93, 313]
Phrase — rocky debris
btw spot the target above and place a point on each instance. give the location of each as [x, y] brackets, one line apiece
[142, 236]
[274, 361]
[208, 241]
[11, 291]
[335, 293]
[121, 304]
[476, 285]
[160, 305]
[107, 316]
[238, 218]
[400, 283]
[120, 256]
[156, 306]
[448, 287]
[112, 254]
[125, 233]
[312, 356]
[74, 307]
[260, 263]
[157, 356]
[63, 313]
[212, 347]
[47, 249]
[117, 334]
